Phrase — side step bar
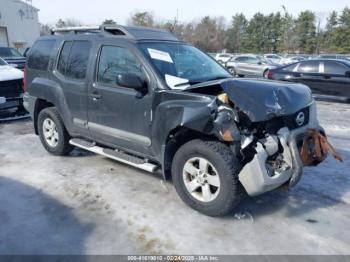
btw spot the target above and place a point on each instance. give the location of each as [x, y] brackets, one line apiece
[114, 154]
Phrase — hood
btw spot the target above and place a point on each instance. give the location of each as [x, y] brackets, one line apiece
[14, 58]
[8, 73]
[260, 99]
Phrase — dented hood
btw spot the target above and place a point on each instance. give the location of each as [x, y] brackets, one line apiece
[264, 99]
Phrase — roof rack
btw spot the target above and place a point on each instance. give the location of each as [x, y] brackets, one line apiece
[106, 29]
[137, 33]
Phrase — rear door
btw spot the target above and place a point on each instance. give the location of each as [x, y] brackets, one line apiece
[71, 73]
[242, 65]
[308, 73]
[335, 82]
[254, 66]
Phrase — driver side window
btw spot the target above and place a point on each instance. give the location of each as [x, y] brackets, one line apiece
[116, 60]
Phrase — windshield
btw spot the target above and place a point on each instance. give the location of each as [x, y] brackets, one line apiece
[181, 65]
[9, 52]
[2, 62]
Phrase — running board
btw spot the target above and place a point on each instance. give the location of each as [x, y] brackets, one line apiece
[114, 154]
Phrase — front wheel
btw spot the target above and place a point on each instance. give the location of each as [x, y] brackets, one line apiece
[52, 132]
[205, 175]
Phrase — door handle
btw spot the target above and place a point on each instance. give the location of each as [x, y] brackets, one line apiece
[297, 75]
[95, 96]
[327, 77]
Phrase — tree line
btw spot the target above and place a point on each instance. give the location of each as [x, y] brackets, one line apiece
[278, 32]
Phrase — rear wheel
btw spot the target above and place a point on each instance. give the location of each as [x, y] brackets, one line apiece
[205, 175]
[52, 132]
[232, 71]
[266, 73]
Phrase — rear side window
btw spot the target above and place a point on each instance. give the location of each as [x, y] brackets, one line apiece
[63, 61]
[335, 68]
[40, 53]
[290, 68]
[74, 59]
[241, 59]
[309, 67]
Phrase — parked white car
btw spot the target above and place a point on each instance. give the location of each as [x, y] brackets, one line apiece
[291, 59]
[223, 58]
[11, 92]
[276, 59]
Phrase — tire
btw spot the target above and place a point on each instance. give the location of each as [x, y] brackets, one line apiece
[232, 71]
[58, 143]
[225, 165]
[266, 72]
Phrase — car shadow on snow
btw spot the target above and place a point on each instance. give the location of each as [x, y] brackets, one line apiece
[320, 187]
[34, 223]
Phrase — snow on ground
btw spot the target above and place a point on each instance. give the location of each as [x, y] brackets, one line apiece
[87, 204]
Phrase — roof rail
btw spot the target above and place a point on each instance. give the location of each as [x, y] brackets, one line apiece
[106, 29]
[131, 32]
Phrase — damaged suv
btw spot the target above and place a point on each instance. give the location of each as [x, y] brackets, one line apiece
[146, 99]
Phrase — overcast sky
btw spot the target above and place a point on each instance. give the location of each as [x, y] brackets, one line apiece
[95, 11]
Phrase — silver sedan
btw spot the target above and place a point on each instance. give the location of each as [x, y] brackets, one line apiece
[250, 65]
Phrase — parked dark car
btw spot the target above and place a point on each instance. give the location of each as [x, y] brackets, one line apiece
[327, 78]
[142, 97]
[13, 57]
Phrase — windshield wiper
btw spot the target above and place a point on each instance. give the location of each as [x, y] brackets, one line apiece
[187, 83]
[217, 78]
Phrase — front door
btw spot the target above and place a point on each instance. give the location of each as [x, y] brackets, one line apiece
[119, 116]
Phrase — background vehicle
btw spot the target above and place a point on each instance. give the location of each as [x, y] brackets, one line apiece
[144, 98]
[249, 65]
[13, 57]
[329, 78]
[223, 58]
[333, 56]
[273, 58]
[291, 59]
[11, 91]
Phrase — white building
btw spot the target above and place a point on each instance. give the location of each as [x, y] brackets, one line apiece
[19, 24]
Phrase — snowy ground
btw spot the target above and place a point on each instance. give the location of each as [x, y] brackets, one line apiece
[87, 204]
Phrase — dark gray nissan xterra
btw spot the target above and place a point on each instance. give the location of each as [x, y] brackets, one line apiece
[146, 99]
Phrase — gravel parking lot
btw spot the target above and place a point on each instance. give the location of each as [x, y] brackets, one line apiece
[87, 204]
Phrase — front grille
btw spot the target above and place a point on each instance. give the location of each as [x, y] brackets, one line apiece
[10, 89]
[272, 126]
[291, 121]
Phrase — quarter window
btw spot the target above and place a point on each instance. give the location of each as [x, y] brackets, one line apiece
[40, 54]
[114, 61]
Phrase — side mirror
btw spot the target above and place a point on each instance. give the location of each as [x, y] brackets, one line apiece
[132, 81]
[347, 74]
[259, 63]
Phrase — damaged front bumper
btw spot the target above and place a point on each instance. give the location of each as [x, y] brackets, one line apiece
[257, 178]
